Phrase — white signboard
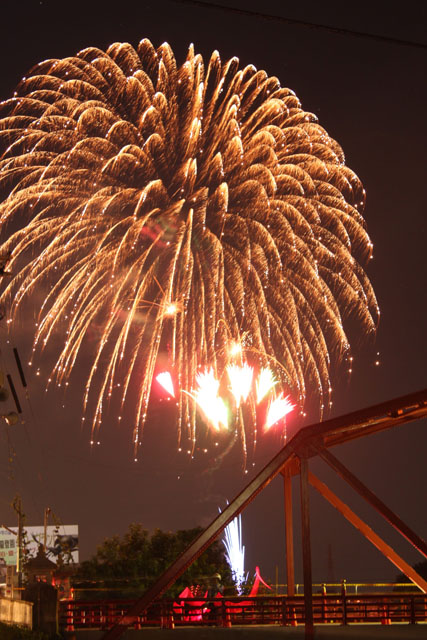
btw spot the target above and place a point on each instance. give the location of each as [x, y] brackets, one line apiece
[62, 541]
[7, 548]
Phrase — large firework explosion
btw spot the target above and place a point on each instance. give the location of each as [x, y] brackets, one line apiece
[191, 215]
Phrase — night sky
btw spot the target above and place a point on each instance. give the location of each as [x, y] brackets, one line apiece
[369, 94]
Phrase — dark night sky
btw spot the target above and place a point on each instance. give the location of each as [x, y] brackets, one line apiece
[369, 95]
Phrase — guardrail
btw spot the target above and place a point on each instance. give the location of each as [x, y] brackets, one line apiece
[225, 612]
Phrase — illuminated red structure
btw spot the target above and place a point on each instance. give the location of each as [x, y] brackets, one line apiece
[293, 459]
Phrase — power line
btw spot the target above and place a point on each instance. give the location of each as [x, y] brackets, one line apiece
[303, 23]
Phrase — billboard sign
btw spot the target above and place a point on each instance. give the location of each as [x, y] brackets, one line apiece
[7, 547]
[61, 541]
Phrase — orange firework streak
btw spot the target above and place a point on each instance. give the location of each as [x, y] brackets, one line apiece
[138, 184]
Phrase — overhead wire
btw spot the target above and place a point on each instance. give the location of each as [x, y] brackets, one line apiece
[15, 467]
[302, 23]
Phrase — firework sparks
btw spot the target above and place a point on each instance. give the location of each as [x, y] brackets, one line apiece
[240, 381]
[235, 349]
[171, 309]
[278, 409]
[265, 383]
[134, 182]
[235, 552]
[208, 400]
[165, 380]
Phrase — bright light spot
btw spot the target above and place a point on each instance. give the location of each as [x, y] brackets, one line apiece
[171, 309]
[265, 383]
[240, 381]
[235, 349]
[208, 401]
[165, 379]
[235, 552]
[277, 410]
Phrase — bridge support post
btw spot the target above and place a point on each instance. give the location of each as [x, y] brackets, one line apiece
[306, 550]
[289, 534]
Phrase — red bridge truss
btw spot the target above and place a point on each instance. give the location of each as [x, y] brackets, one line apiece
[314, 440]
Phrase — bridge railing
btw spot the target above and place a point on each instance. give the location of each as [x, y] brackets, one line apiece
[225, 612]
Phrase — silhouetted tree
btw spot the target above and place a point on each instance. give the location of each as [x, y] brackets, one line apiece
[125, 567]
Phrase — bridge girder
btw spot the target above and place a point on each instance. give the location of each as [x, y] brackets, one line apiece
[307, 443]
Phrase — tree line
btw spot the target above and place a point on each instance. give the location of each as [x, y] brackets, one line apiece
[125, 567]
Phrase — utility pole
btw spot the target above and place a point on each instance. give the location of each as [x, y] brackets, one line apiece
[46, 515]
[17, 506]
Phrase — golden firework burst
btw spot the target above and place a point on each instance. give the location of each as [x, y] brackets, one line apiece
[180, 208]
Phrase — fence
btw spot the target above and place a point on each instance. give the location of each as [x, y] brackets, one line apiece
[225, 612]
[16, 612]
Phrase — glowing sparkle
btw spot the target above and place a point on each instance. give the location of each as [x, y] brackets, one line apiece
[240, 381]
[265, 383]
[278, 409]
[208, 400]
[235, 552]
[165, 380]
[235, 349]
[171, 309]
[155, 229]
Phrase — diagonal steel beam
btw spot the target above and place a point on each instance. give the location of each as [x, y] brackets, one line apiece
[369, 534]
[373, 419]
[353, 425]
[206, 538]
[373, 500]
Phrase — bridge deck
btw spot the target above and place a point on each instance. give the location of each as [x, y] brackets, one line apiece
[322, 632]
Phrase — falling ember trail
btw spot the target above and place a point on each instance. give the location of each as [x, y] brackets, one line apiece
[134, 182]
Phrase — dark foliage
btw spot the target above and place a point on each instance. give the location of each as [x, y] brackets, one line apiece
[125, 567]
[13, 632]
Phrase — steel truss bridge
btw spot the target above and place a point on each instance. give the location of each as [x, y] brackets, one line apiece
[293, 459]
